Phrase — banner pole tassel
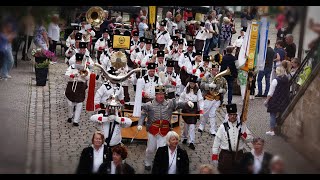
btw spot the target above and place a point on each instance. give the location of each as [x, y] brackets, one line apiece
[90, 99]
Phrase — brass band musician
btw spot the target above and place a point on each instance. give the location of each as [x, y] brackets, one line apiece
[213, 87]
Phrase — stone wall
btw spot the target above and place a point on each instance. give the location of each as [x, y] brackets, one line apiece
[302, 126]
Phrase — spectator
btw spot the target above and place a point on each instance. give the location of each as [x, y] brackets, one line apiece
[117, 166]
[41, 36]
[278, 97]
[93, 156]
[210, 35]
[53, 33]
[168, 18]
[266, 72]
[208, 169]
[257, 161]
[279, 56]
[295, 64]
[290, 47]
[225, 34]
[277, 165]
[28, 23]
[244, 19]
[7, 35]
[142, 26]
[228, 60]
[171, 159]
[180, 25]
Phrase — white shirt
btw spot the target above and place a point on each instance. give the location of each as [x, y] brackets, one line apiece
[113, 168]
[273, 86]
[163, 38]
[54, 31]
[201, 34]
[172, 161]
[209, 27]
[149, 86]
[257, 163]
[97, 158]
[221, 139]
[198, 98]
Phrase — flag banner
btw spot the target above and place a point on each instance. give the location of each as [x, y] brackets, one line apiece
[243, 53]
[253, 44]
[263, 41]
[152, 15]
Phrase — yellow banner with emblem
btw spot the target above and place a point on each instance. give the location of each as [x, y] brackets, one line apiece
[152, 15]
[253, 44]
[122, 42]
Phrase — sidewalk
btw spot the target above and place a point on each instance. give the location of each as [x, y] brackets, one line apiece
[15, 100]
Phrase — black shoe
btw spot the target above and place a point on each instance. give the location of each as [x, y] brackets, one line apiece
[200, 131]
[213, 135]
[69, 120]
[191, 146]
[258, 95]
[148, 168]
[75, 124]
[184, 141]
[264, 95]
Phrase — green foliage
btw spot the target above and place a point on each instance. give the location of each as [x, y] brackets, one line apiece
[44, 64]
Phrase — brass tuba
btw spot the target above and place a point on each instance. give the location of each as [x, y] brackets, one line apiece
[215, 80]
[223, 73]
[95, 16]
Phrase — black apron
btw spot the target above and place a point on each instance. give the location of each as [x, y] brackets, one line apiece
[79, 95]
[189, 110]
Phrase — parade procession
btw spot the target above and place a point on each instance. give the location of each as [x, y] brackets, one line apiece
[173, 81]
[149, 93]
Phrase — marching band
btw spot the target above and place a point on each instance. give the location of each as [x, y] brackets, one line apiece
[171, 68]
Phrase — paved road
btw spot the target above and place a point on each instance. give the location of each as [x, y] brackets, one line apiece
[37, 139]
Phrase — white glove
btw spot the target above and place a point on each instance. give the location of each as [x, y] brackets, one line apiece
[221, 90]
[190, 104]
[139, 128]
[212, 85]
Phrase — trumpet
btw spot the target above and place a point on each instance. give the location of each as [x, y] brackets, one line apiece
[84, 72]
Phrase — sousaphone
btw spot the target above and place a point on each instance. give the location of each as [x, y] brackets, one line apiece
[95, 16]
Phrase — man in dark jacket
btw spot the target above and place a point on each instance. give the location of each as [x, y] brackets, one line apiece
[228, 61]
[266, 72]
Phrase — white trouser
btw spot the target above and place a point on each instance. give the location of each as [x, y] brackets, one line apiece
[77, 112]
[154, 142]
[188, 129]
[210, 108]
[181, 89]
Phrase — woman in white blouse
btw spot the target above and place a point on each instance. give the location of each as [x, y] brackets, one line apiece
[93, 156]
[53, 33]
[171, 159]
[117, 165]
[191, 93]
[257, 161]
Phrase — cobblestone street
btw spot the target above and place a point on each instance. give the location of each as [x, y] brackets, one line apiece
[51, 145]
